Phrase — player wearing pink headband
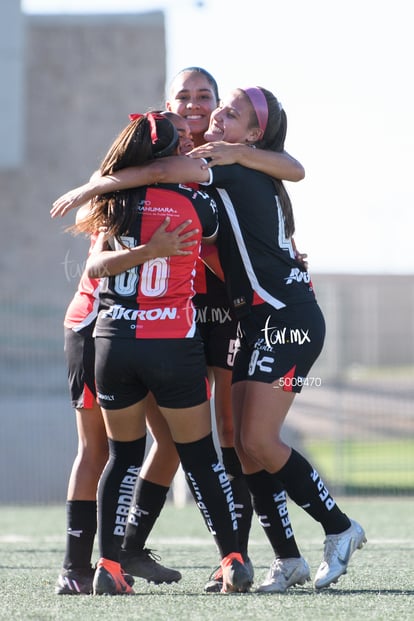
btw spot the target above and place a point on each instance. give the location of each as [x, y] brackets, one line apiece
[259, 103]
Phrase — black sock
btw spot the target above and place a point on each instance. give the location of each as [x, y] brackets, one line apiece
[149, 498]
[211, 490]
[241, 495]
[269, 502]
[306, 489]
[115, 492]
[80, 533]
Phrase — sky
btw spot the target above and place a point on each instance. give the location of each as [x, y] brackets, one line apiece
[344, 74]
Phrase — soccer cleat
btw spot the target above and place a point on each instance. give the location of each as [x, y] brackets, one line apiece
[143, 563]
[236, 577]
[215, 582]
[75, 581]
[109, 579]
[128, 578]
[337, 554]
[284, 573]
[79, 581]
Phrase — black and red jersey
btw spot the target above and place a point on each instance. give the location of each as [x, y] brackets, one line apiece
[257, 258]
[154, 300]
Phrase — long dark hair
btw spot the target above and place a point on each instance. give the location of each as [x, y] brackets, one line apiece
[273, 139]
[147, 137]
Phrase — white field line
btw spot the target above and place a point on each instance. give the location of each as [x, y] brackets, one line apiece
[190, 541]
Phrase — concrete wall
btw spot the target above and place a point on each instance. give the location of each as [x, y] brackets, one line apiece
[81, 78]
[83, 75]
[370, 320]
[12, 84]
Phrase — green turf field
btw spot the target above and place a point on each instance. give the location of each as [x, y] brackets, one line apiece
[386, 465]
[379, 584]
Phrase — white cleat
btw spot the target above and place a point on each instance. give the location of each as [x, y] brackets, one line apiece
[337, 554]
[284, 573]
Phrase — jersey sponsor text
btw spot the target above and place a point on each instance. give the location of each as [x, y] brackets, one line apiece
[116, 311]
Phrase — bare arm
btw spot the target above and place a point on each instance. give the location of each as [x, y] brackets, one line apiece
[103, 262]
[82, 212]
[278, 165]
[174, 169]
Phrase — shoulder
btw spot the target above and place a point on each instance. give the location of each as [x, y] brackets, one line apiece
[230, 172]
[193, 193]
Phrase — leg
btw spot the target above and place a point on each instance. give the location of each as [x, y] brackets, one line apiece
[150, 493]
[191, 431]
[183, 394]
[269, 381]
[242, 500]
[269, 496]
[263, 445]
[126, 432]
[222, 406]
[258, 437]
[343, 535]
[77, 574]
[92, 454]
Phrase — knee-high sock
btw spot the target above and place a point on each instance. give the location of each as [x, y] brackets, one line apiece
[115, 492]
[305, 487]
[211, 490]
[148, 501]
[269, 502]
[80, 533]
[241, 495]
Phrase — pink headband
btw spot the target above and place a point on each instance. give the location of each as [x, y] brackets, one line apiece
[259, 103]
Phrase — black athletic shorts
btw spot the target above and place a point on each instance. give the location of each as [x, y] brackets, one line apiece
[79, 350]
[217, 325]
[174, 370]
[280, 345]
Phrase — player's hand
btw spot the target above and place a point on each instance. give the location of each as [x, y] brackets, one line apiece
[70, 200]
[301, 257]
[165, 243]
[220, 153]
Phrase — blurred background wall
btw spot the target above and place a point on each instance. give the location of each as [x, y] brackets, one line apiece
[69, 83]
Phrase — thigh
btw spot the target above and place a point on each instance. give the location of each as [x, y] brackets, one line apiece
[176, 372]
[126, 424]
[118, 372]
[156, 422]
[91, 430]
[183, 394]
[189, 424]
[261, 412]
